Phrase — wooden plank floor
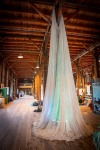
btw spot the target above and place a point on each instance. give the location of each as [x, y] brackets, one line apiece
[16, 129]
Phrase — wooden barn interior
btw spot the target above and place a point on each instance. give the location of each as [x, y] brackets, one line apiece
[24, 53]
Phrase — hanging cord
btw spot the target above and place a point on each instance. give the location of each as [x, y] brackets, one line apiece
[58, 10]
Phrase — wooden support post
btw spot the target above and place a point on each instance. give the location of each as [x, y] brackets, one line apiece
[35, 44]
[11, 85]
[94, 69]
[44, 77]
[97, 63]
[3, 73]
[7, 77]
[38, 87]
[14, 88]
[45, 56]
[78, 77]
[78, 80]
[34, 87]
[0, 73]
[83, 83]
[40, 12]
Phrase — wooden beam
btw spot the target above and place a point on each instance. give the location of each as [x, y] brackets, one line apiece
[25, 75]
[46, 32]
[12, 65]
[73, 6]
[23, 67]
[84, 67]
[18, 27]
[25, 19]
[75, 33]
[11, 68]
[80, 38]
[70, 32]
[43, 55]
[21, 36]
[89, 49]
[18, 50]
[78, 34]
[35, 45]
[82, 25]
[23, 70]
[66, 5]
[83, 7]
[16, 44]
[25, 60]
[31, 65]
[13, 30]
[7, 57]
[40, 12]
[74, 14]
[84, 17]
[71, 16]
[42, 39]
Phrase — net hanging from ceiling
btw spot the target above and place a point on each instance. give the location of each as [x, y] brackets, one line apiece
[61, 118]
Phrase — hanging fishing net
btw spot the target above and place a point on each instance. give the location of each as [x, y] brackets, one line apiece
[61, 118]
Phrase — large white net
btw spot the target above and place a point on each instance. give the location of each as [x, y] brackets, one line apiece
[61, 118]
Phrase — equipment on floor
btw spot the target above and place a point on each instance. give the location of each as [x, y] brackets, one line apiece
[39, 104]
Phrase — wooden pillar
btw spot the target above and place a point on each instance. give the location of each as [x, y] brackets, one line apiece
[45, 60]
[34, 86]
[3, 73]
[0, 73]
[40, 80]
[38, 87]
[78, 85]
[83, 83]
[97, 66]
[94, 69]
[44, 76]
[78, 81]
[14, 87]
[32, 90]
[11, 85]
[82, 80]
[7, 77]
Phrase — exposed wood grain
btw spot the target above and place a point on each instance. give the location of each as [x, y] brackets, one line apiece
[16, 121]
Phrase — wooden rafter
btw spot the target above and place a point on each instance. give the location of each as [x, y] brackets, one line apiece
[89, 49]
[40, 12]
[25, 60]
[71, 16]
